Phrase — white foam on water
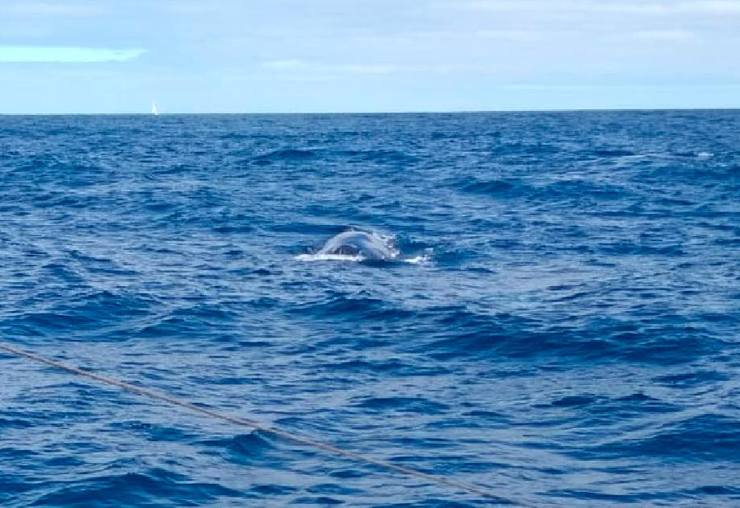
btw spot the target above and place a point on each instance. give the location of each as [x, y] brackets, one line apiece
[421, 259]
[416, 260]
[390, 242]
[329, 257]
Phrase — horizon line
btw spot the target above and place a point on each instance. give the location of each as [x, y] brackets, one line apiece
[397, 112]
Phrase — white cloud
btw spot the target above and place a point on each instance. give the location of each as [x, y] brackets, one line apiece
[716, 7]
[664, 35]
[509, 35]
[64, 54]
[302, 65]
[290, 64]
[52, 8]
[368, 69]
[425, 36]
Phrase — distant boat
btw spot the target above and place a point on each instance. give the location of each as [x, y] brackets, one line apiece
[155, 111]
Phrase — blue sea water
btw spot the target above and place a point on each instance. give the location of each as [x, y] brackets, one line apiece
[568, 335]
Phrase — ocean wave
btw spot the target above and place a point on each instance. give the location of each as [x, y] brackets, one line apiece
[243, 448]
[135, 488]
[707, 437]
[573, 306]
[488, 187]
[285, 155]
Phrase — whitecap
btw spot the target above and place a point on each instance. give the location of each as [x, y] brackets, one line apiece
[328, 257]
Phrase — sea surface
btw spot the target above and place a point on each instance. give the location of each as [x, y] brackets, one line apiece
[561, 326]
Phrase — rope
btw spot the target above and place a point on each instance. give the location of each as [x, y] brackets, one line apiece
[254, 424]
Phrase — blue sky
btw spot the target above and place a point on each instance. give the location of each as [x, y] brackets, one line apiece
[105, 56]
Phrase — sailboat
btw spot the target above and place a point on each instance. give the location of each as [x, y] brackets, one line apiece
[155, 111]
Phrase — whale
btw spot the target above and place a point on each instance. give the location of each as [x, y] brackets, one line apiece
[360, 244]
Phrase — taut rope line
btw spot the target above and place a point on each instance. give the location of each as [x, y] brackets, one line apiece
[246, 422]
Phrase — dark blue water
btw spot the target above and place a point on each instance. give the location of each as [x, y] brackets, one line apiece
[569, 334]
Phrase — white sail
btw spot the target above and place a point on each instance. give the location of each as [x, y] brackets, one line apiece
[155, 111]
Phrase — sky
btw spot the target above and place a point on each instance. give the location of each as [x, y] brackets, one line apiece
[256, 56]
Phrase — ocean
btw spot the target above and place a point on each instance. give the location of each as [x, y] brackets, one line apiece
[560, 326]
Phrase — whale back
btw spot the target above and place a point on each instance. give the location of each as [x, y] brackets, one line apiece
[359, 243]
